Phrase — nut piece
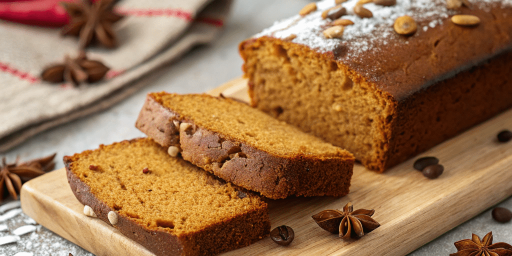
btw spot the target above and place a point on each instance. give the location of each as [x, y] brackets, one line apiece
[467, 4]
[362, 12]
[112, 217]
[334, 12]
[334, 32]
[405, 25]
[184, 126]
[290, 37]
[339, 1]
[466, 20]
[88, 211]
[311, 7]
[173, 151]
[385, 2]
[337, 107]
[362, 2]
[342, 22]
[453, 4]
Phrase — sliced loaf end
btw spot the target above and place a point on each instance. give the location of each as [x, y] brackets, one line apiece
[172, 207]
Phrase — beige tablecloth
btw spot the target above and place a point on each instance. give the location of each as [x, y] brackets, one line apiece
[153, 33]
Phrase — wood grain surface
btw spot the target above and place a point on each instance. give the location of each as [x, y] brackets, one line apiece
[412, 209]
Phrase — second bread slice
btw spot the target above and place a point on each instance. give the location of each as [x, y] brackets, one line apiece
[245, 146]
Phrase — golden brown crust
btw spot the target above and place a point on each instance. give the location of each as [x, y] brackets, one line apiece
[233, 233]
[274, 177]
[450, 107]
[246, 166]
[435, 84]
[402, 69]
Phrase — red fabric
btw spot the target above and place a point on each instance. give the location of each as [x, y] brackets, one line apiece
[50, 13]
[35, 12]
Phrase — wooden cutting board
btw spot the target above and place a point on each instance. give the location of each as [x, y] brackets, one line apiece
[412, 209]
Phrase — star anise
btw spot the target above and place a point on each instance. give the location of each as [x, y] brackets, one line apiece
[348, 223]
[484, 247]
[12, 175]
[92, 21]
[75, 71]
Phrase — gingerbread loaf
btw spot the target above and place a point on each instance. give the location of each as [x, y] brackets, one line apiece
[245, 146]
[165, 203]
[384, 96]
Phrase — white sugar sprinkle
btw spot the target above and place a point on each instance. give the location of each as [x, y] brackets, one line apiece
[10, 214]
[365, 32]
[24, 254]
[30, 221]
[9, 239]
[24, 230]
[9, 206]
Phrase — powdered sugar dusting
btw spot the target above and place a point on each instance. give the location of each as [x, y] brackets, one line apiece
[361, 36]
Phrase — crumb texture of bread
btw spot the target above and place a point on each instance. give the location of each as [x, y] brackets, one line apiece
[391, 101]
[321, 97]
[172, 207]
[247, 147]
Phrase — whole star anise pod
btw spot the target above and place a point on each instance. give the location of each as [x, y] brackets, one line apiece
[12, 175]
[75, 71]
[92, 21]
[348, 223]
[484, 247]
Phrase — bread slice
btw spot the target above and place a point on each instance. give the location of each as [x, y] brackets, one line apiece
[245, 146]
[172, 207]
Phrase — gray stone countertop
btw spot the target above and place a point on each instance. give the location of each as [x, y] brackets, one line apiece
[202, 69]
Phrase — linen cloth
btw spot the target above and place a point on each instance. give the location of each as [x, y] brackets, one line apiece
[152, 33]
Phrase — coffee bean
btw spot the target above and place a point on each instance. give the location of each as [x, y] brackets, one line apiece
[423, 162]
[501, 214]
[433, 171]
[282, 235]
[505, 136]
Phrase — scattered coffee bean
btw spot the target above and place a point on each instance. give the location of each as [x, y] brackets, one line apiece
[282, 235]
[505, 136]
[501, 214]
[423, 162]
[433, 171]
[145, 170]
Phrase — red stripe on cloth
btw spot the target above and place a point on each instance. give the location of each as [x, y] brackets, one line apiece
[210, 21]
[114, 73]
[22, 75]
[178, 13]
